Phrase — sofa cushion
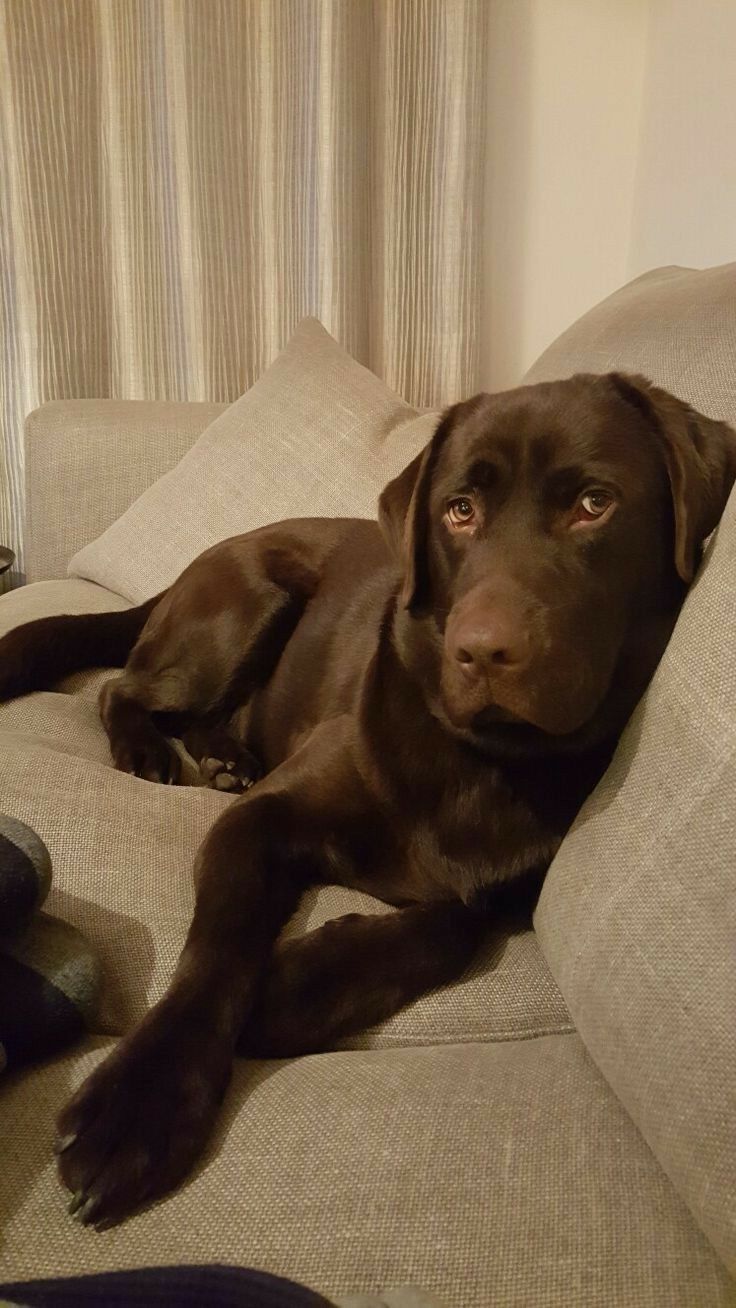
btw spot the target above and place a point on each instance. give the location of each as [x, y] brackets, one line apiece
[123, 850]
[675, 325]
[504, 1174]
[638, 914]
[317, 435]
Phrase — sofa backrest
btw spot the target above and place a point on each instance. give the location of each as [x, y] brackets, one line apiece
[675, 325]
[638, 914]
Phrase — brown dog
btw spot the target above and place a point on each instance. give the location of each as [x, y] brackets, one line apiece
[430, 707]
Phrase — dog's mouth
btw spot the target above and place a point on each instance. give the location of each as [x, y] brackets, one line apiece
[499, 732]
[492, 715]
[527, 710]
[491, 721]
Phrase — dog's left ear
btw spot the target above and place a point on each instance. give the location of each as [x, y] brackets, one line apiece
[403, 514]
[700, 455]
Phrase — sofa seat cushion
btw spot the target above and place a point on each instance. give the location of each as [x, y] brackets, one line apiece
[123, 851]
[504, 1174]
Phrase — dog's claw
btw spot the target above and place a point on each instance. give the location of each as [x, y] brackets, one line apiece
[83, 1207]
[76, 1201]
[64, 1142]
[105, 1224]
[86, 1214]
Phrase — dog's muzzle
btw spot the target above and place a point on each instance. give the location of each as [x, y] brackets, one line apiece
[496, 668]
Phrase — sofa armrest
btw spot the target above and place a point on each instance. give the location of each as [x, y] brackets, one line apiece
[88, 460]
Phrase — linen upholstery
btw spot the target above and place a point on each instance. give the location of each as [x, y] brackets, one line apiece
[490, 1174]
[638, 914]
[675, 325]
[316, 436]
[404, 1296]
[88, 460]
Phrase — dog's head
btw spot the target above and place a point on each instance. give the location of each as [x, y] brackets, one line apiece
[547, 536]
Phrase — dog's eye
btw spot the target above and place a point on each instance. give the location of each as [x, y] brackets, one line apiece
[460, 511]
[592, 505]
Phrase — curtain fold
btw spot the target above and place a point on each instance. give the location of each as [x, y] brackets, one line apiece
[182, 180]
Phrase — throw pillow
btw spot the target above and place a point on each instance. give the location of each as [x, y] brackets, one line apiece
[317, 435]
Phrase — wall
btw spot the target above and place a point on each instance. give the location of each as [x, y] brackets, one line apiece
[685, 194]
[565, 91]
[611, 150]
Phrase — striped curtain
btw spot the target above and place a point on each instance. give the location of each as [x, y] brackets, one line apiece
[182, 180]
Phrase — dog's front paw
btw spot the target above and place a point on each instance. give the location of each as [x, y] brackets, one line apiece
[137, 1125]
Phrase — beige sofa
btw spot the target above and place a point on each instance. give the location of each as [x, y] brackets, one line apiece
[559, 1127]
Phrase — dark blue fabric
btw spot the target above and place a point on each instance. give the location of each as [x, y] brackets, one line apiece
[36, 1018]
[210, 1286]
[19, 887]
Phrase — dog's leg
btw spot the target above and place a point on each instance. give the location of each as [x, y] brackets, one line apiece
[214, 636]
[137, 1125]
[354, 972]
[136, 743]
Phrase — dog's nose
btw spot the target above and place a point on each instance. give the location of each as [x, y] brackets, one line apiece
[498, 642]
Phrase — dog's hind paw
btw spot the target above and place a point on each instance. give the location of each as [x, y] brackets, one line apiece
[234, 774]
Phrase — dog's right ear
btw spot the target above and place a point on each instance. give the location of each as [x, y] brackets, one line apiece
[700, 456]
[403, 514]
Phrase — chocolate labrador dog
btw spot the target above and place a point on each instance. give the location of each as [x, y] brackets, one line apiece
[429, 705]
